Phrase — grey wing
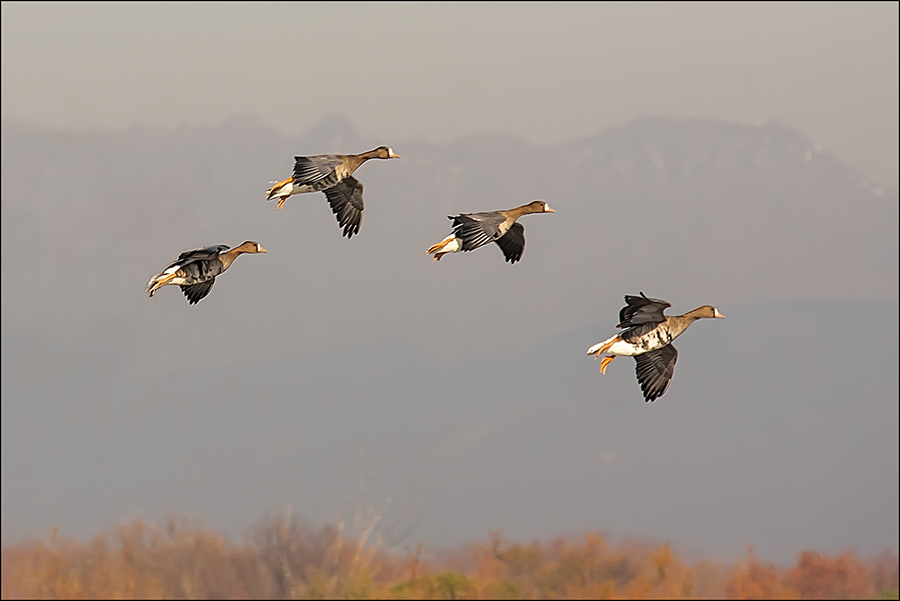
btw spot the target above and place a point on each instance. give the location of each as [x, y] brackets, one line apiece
[512, 243]
[654, 371]
[640, 309]
[195, 292]
[346, 200]
[189, 257]
[309, 170]
[477, 229]
[199, 271]
[201, 254]
[633, 334]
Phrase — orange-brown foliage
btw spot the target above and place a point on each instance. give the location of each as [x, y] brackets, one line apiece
[755, 580]
[283, 557]
[844, 577]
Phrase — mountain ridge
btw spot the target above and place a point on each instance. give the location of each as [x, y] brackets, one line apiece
[742, 213]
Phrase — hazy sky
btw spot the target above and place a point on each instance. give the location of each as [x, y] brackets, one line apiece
[542, 72]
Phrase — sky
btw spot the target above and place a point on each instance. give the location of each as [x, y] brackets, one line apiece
[543, 72]
[326, 350]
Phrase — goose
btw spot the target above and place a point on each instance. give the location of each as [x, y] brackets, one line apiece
[196, 270]
[473, 230]
[333, 175]
[648, 338]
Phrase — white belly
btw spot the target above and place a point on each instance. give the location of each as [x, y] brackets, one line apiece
[649, 342]
[625, 349]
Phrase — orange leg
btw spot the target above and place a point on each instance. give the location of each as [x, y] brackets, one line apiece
[604, 362]
[606, 346]
[161, 282]
[434, 248]
[274, 189]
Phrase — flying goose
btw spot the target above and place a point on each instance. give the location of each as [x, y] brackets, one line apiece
[196, 270]
[472, 230]
[648, 338]
[333, 175]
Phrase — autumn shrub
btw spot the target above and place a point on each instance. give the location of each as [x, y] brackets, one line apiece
[284, 557]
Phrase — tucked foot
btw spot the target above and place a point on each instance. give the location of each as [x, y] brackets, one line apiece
[280, 190]
[450, 244]
[436, 247]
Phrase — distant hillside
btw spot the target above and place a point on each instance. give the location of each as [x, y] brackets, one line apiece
[683, 208]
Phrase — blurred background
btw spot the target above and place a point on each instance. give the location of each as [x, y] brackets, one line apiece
[739, 155]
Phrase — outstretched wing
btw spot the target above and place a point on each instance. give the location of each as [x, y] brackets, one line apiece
[640, 309]
[346, 200]
[477, 229]
[190, 257]
[201, 254]
[654, 371]
[513, 242]
[195, 292]
[309, 170]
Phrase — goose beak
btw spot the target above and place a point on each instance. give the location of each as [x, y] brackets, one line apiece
[547, 209]
[393, 156]
[717, 314]
[262, 250]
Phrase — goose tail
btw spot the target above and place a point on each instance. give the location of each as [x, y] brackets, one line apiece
[280, 190]
[160, 280]
[601, 347]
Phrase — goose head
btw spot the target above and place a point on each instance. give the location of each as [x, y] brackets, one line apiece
[250, 247]
[384, 152]
[539, 206]
[706, 311]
